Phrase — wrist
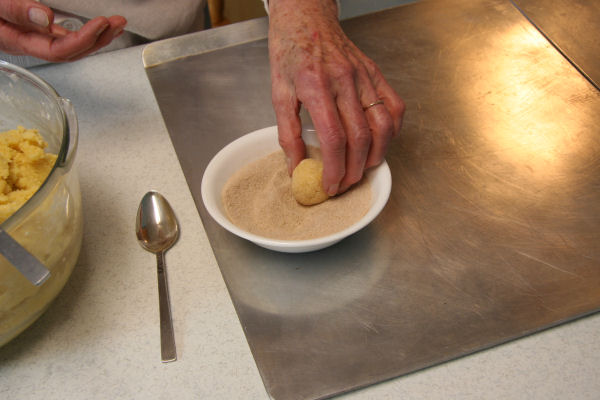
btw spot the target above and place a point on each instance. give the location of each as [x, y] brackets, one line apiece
[294, 3]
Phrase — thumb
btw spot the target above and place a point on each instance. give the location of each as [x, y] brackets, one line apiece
[27, 14]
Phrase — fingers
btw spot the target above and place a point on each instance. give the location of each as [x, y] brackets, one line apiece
[289, 127]
[324, 114]
[393, 103]
[352, 138]
[369, 130]
[333, 143]
[29, 15]
[26, 27]
[94, 35]
[385, 118]
[70, 46]
[382, 129]
[58, 30]
[77, 44]
[355, 125]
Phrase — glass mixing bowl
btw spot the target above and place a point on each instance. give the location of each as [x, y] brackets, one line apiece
[50, 224]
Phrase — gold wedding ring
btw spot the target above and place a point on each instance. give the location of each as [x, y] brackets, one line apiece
[379, 101]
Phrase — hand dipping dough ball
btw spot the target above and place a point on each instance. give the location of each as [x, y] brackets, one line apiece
[307, 182]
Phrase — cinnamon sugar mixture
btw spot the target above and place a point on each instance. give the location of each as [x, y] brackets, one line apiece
[258, 198]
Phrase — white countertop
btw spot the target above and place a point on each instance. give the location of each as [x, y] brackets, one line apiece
[100, 338]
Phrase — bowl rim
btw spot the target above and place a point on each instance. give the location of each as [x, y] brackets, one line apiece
[379, 199]
[61, 156]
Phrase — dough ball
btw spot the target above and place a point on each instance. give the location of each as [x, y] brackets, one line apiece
[307, 182]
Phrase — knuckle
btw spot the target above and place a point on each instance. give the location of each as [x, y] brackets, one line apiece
[370, 66]
[351, 179]
[283, 100]
[399, 107]
[11, 42]
[333, 175]
[382, 125]
[57, 52]
[344, 71]
[374, 161]
[362, 138]
[310, 85]
[385, 125]
[333, 139]
[397, 113]
[278, 98]
[286, 141]
[311, 76]
[14, 12]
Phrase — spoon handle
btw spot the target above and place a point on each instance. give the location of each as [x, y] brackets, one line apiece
[167, 337]
[29, 266]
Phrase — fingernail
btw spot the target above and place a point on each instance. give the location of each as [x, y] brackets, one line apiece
[333, 189]
[38, 17]
[289, 164]
[118, 32]
[101, 30]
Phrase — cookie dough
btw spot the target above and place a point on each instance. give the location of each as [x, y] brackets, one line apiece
[307, 182]
[24, 166]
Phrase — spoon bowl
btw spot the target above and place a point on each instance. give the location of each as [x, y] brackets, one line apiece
[157, 230]
[156, 226]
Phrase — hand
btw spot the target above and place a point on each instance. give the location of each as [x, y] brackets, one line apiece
[314, 64]
[26, 27]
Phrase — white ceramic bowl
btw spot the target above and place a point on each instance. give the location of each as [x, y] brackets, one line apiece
[258, 144]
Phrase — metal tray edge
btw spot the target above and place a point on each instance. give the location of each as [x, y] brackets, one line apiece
[167, 50]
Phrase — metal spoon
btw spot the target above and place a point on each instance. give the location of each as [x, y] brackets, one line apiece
[157, 231]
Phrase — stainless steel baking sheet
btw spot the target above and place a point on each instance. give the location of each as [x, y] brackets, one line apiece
[492, 230]
[573, 27]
